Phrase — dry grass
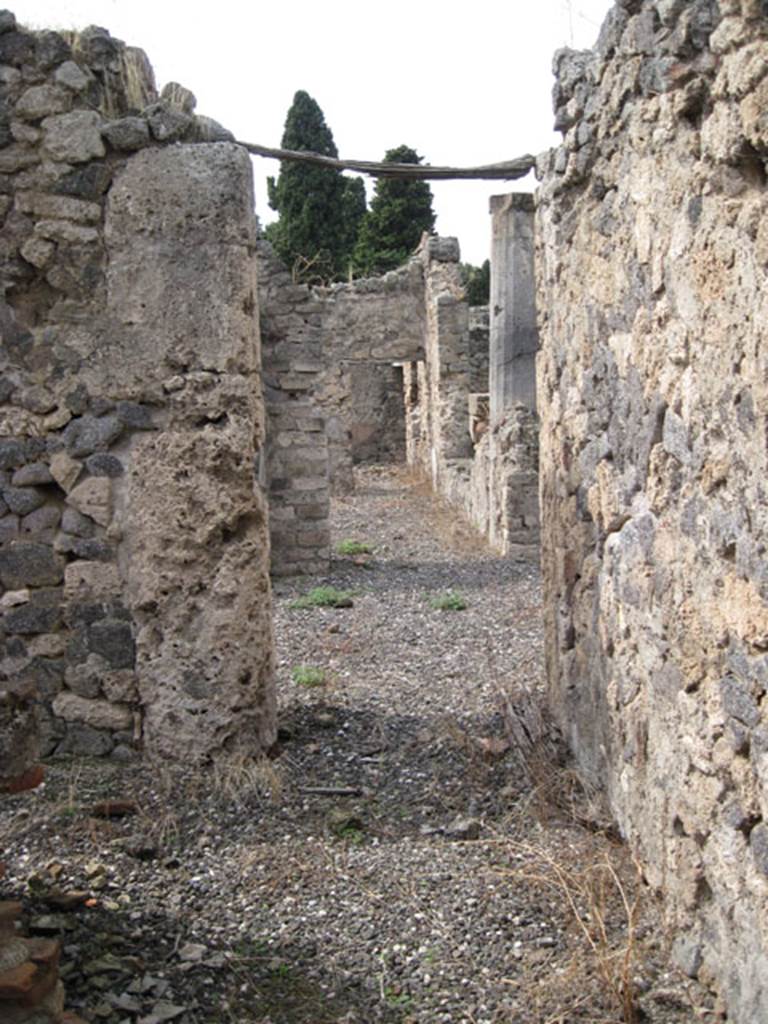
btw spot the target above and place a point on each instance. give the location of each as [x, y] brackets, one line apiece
[239, 778]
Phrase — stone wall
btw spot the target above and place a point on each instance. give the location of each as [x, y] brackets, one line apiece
[134, 593]
[479, 348]
[333, 395]
[653, 389]
[486, 470]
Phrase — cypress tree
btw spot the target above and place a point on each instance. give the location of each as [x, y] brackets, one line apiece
[477, 283]
[310, 235]
[400, 211]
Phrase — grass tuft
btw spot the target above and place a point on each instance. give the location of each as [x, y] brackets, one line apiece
[308, 675]
[450, 601]
[354, 547]
[324, 597]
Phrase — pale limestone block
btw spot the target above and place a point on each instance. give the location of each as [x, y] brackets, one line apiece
[99, 714]
[65, 470]
[84, 581]
[47, 645]
[42, 205]
[93, 497]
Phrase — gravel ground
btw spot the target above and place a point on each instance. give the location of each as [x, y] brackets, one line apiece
[402, 858]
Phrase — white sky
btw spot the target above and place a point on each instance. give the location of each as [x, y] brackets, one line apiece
[462, 84]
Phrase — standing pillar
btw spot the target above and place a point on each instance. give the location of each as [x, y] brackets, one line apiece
[514, 336]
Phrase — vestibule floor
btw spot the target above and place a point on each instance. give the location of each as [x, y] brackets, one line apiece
[416, 850]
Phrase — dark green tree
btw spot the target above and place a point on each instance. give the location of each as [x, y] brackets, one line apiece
[477, 283]
[311, 235]
[400, 211]
[354, 207]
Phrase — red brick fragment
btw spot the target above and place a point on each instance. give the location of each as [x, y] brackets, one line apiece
[29, 779]
[113, 809]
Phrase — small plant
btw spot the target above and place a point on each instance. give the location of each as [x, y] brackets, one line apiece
[308, 675]
[324, 597]
[397, 998]
[352, 835]
[354, 547]
[450, 601]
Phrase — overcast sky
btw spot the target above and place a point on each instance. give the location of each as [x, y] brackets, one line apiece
[462, 84]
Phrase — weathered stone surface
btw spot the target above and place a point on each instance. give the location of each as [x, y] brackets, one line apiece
[118, 285]
[41, 100]
[42, 520]
[74, 137]
[215, 651]
[26, 563]
[91, 581]
[65, 470]
[71, 76]
[166, 124]
[93, 498]
[31, 474]
[102, 464]
[22, 500]
[127, 134]
[99, 714]
[178, 98]
[86, 434]
[652, 306]
[76, 523]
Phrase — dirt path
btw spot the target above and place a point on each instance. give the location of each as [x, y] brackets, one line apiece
[399, 861]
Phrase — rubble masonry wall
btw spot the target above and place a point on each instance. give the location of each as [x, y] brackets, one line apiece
[653, 391]
[134, 595]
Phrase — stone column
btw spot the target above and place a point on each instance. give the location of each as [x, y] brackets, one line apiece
[195, 548]
[514, 336]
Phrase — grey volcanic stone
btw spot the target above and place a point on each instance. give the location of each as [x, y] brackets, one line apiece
[76, 523]
[33, 618]
[31, 474]
[92, 550]
[11, 454]
[167, 125]
[87, 182]
[114, 641]
[134, 415]
[127, 134]
[102, 464]
[739, 702]
[52, 49]
[42, 520]
[85, 435]
[85, 740]
[23, 500]
[758, 841]
[27, 563]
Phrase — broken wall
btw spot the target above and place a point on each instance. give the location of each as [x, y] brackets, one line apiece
[653, 391]
[333, 395]
[134, 594]
[487, 469]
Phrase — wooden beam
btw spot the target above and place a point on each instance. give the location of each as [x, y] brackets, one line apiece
[506, 171]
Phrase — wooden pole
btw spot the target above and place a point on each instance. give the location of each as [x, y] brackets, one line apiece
[506, 171]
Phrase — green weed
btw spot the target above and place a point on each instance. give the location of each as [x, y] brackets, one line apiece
[450, 601]
[324, 597]
[354, 547]
[308, 675]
